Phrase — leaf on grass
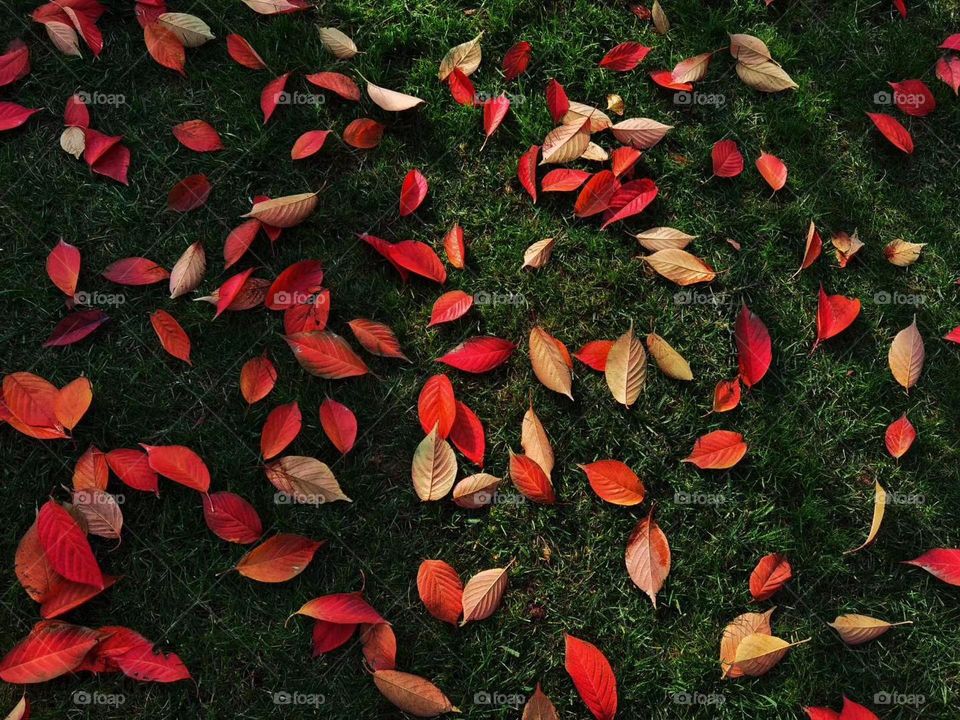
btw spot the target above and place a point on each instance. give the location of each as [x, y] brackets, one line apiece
[326, 355]
[717, 450]
[771, 573]
[740, 627]
[906, 356]
[614, 482]
[479, 354]
[754, 349]
[441, 590]
[337, 43]
[531, 480]
[648, 557]
[671, 363]
[534, 441]
[305, 480]
[551, 362]
[412, 694]
[257, 378]
[538, 254]
[879, 507]
[859, 629]
[449, 307]
[280, 429]
[173, 338]
[434, 468]
[231, 518]
[280, 558]
[899, 436]
[902, 253]
[339, 424]
[483, 593]
[465, 57]
[625, 368]
[592, 676]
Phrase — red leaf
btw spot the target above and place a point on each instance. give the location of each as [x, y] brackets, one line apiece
[309, 317]
[257, 378]
[412, 193]
[133, 469]
[242, 53]
[281, 428]
[726, 395]
[231, 518]
[948, 70]
[467, 435]
[461, 88]
[341, 608]
[951, 43]
[419, 259]
[363, 133]
[383, 248]
[135, 271]
[901, 7]
[812, 248]
[893, 131]
[144, 663]
[328, 636]
[913, 97]
[310, 143]
[638, 195]
[773, 170]
[664, 78]
[230, 290]
[75, 327]
[754, 350]
[942, 563]
[106, 155]
[771, 573]
[296, 285]
[594, 354]
[173, 338]
[614, 482]
[239, 241]
[437, 405]
[164, 46]
[449, 307]
[557, 102]
[180, 464]
[65, 595]
[339, 423]
[63, 267]
[899, 436]
[717, 450]
[494, 111]
[727, 159]
[516, 60]
[326, 354]
[377, 338]
[531, 480]
[65, 546]
[379, 646]
[13, 115]
[271, 94]
[563, 180]
[592, 676]
[15, 62]
[479, 354]
[441, 590]
[189, 194]
[527, 171]
[595, 196]
[623, 159]
[852, 710]
[835, 313]
[338, 83]
[75, 113]
[52, 649]
[454, 247]
[953, 335]
[198, 135]
[624, 57]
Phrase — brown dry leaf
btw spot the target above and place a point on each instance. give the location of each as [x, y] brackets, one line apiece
[533, 438]
[766, 77]
[692, 69]
[595, 153]
[662, 238]
[749, 49]
[580, 112]
[615, 104]
[538, 254]
[339, 44]
[859, 629]
[680, 266]
[670, 362]
[539, 707]
[906, 355]
[846, 246]
[565, 143]
[879, 506]
[100, 512]
[305, 480]
[188, 271]
[392, 100]
[412, 693]
[551, 362]
[285, 211]
[465, 57]
[739, 628]
[902, 253]
[648, 557]
[626, 369]
[434, 467]
[661, 22]
[758, 653]
[640, 133]
[476, 491]
[482, 594]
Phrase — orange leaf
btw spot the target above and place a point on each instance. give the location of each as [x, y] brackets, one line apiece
[173, 338]
[281, 428]
[648, 557]
[614, 482]
[771, 573]
[278, 559]
[441, 590]
[717, 450]
[325, 355]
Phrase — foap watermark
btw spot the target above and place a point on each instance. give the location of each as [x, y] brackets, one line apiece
[98, 298]
[698, 498]
[485, 697]
[885, 697]
[299, 98]
[101, 98]
[498, 498]
[82, 697]
[689, 98]
[898, 498]
[692, 297]
[883, 297]
[283, 697]
[480, 97]
[898, 97]
[287, 299]
[85, 497]
[697, 698]
[482, 297]
[283, 498]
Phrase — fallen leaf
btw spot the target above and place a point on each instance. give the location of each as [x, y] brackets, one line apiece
[902, 253]
[727, 159]
[257, 378]
[465, 57]
[483, 593]
[614, 482]
[859, 629]
[337, 43]
[281, 428]
[434, 467]
[412, 193]
[592, 676]
[835, 313]
[531, 480]
[906, 356]
[879, 507]
[680, 267]
[479, 354]
[899, 436]
[625, 368]
[717, 450]
[671, 363]
[231, 518]
[339, 424]
[412, 694]
[773, 170]
[893, 130]
[648, 557]
[538, 254]
[769, 576]
[551, 362]
[173, 338]
[441, 590]
[279, 558]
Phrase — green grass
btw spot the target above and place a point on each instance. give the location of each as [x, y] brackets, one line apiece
[815, 424]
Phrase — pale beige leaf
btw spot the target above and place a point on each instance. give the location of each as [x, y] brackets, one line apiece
[615, 104]
[693, 69]
[271, 7]
[749, 49]
[63, 37]
[565, 143]
[533, 438]
[391, 99]
[758, 653]
[766, 77]
[465, 57]
[739, 628]
[661, 238]
[192, 31]
[670, 362]
[680, 267]
[902, 253]
[661, 23]
[550, 362]
[285, 211]
[648, 557]
[476, 491]
[482, 594]
[539, 707]
[859, 629]
[538, 254]
[188, 271]
[626, 369]
[640, 133]
[906, 355]
[412, 694]
[339, 44]
[579, 113]
[434, 467]
[879, 507]
[305, 480]
[73, 141]
[595, 153]
[100, 512]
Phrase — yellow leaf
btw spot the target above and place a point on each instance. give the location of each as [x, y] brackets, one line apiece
[661, 238]
[902, 253]
[766, 77]
[626, 368]
[615, 104]
[337, 43]
[538, 254]
[906, 355]
[670, 362]
[579, 112]
[565, 143]
[879, 506]
[859, 629]
[595, 153]
[758, 653]
[534, 440]
[680, 266]
[551, 362]
[739, 628]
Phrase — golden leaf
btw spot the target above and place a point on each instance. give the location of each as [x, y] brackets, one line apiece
[766, 77]
[661, 238]
[534, 440]
[670, 362]
[337, 43]
[661, 22]
[626, 368]
[434, 467]
[551, 362]
[859, 629]
[739, 628]
[906, 355]
[680, 266]
[285, 211]
[565, 143]
[902, 253]
[615, 104]
[879, 506]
